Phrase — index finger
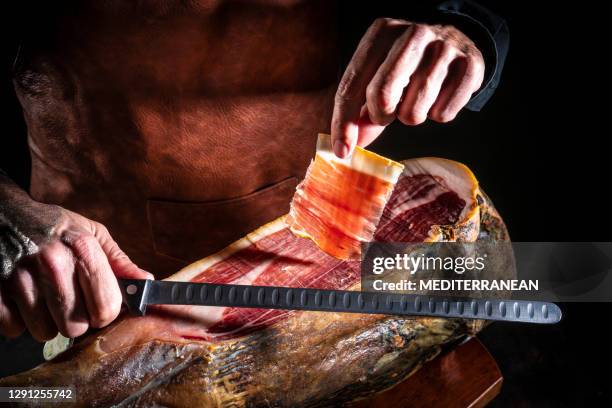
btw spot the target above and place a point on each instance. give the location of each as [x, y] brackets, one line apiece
[351, 95]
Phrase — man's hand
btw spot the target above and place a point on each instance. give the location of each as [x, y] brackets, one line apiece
[69, 282]
[404, 70]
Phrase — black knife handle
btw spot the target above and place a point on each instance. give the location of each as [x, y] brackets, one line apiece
[271, 297]
[135, 294]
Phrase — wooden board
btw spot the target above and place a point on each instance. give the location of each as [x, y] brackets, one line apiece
[466, 376]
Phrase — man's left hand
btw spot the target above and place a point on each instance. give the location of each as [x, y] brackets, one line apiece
[407, 71]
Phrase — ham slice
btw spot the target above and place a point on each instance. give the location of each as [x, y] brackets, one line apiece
[339, 203]
[228, 357]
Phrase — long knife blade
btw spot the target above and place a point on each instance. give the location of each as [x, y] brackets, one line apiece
[138, 294]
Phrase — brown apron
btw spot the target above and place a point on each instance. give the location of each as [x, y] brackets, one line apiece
[187, 231]
[181, 129]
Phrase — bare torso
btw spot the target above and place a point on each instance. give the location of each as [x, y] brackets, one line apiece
[180, 127]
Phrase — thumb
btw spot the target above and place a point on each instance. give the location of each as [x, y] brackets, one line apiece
[359, 132]
[119, 262]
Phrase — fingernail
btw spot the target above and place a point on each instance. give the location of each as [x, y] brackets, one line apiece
[341, 149]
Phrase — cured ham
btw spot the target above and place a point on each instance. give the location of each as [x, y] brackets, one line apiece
[432, 193]
[339, 203]
[227, 357]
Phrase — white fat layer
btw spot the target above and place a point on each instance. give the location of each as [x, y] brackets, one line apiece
[362, 161]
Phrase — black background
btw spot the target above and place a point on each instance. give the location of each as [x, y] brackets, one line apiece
[538, 149]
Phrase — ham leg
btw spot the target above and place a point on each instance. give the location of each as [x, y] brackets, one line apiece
[226, 357]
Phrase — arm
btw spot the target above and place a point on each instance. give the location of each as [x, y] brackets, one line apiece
[57, 269]
[413, 70]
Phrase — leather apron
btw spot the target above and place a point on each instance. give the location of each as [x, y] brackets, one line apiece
[180, 128]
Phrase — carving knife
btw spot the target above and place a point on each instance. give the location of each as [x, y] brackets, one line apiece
[138, 294]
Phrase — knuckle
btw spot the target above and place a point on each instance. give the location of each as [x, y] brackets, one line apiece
[447, 52]
[104, 315]
[99, 318]
[114, 252]
[479, 65]
[380, 23]
[471, 79]
[474, 53]
[412, 117]
[22, 289]
[380, 97]
[101, 228]
[82, 243]
[342, 99]
[475, 67]
[100, 232]
[54, 258]
[18, 282]
[372, 92]
[443, 116]
[84, 248]
[443, 55]
[73, 329]
[421, 31]
[345, 90]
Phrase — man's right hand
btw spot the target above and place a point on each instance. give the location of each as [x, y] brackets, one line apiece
[67, 280]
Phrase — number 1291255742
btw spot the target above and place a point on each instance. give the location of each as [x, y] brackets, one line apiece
[31, 394]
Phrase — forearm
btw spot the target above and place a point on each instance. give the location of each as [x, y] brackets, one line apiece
[20, 224]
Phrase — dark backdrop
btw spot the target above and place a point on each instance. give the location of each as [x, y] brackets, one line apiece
[539, 151]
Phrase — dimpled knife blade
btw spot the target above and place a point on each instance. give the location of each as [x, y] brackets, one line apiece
[138, 294]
